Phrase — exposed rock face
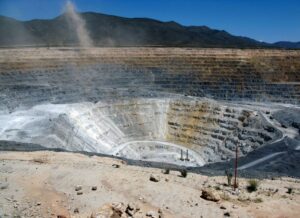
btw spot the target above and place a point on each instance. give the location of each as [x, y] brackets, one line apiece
[33, 76]
[133, 102]
[151, 129]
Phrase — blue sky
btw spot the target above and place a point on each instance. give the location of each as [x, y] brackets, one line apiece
[264, 20]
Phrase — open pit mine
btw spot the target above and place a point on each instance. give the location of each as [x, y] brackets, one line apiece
[183, 106]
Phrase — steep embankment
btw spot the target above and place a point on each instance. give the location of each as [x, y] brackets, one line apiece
[32, 76]
[148, 129]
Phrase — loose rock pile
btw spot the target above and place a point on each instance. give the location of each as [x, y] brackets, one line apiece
[121, 210]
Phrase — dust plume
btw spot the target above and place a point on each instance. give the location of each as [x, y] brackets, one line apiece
[79, 25]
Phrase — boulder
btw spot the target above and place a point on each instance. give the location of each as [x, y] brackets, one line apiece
[131, 209]
[227, 214]
[210, 195]
[3, 185]
[154, 178]
[152, 214]
[114, 210]
[78, 188]
[116, 165]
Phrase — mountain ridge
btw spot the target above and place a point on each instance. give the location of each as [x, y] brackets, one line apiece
[288, 44]
[111, 30]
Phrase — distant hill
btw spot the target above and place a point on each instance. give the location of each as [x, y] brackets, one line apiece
[107, 30]
[284, 44]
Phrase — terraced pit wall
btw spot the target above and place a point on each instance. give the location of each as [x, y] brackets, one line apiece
[255, 75]
[144, 103]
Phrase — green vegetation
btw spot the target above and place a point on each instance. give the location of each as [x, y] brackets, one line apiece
[252, 185]
[229, 177]
[290, 190]
[183, 173]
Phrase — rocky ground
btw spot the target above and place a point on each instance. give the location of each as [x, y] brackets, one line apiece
[58, 184]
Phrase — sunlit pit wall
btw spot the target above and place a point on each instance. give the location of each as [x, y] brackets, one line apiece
[254, 75]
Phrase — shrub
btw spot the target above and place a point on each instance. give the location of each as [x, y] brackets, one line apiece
[229, 177]
[290, 190]
[258, 200]
[166, 171]
[252, 185]
[218, 188]
[183, 173]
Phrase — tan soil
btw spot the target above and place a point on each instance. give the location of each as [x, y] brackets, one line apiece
[42, 184]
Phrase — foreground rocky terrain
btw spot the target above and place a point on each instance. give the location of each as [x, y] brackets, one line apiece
[51, 184]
